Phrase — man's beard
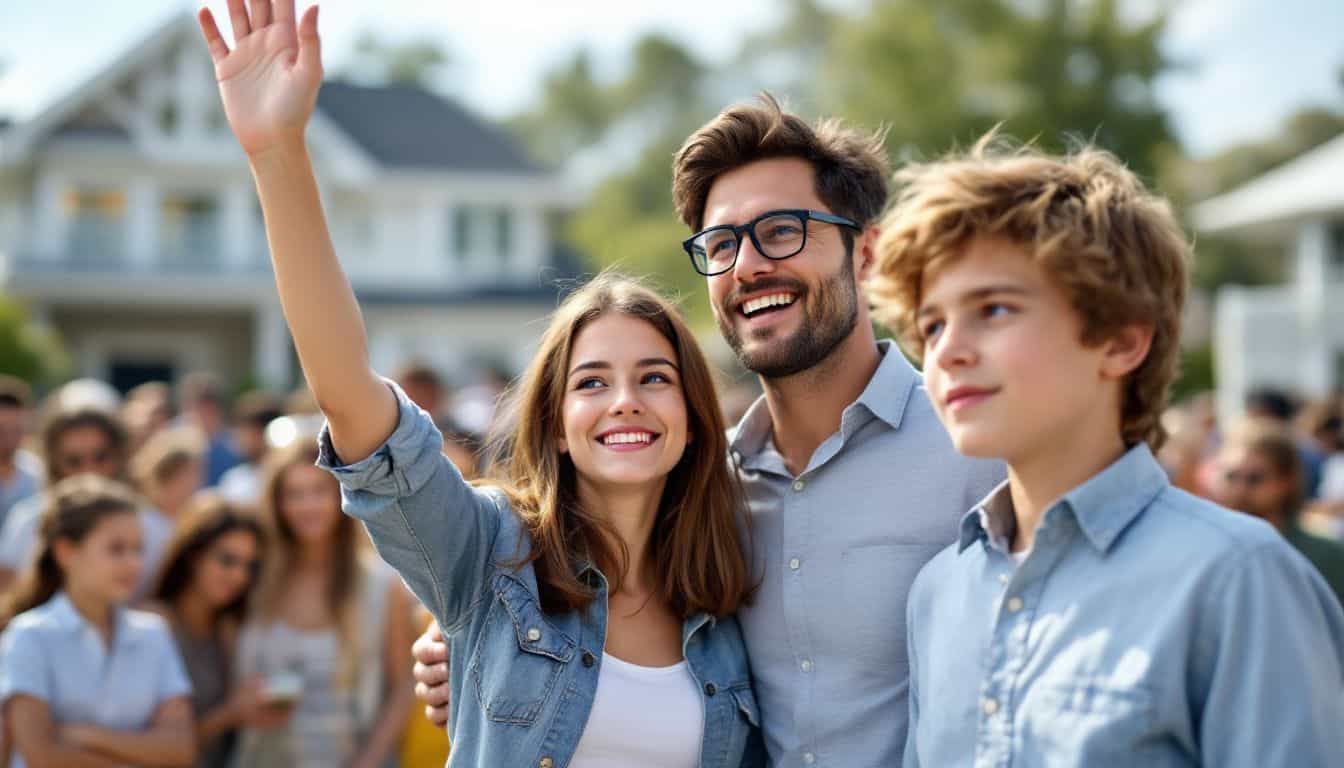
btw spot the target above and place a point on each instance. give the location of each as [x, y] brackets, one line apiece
[824, 326]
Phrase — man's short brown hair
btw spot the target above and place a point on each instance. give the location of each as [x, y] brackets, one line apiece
[851, 166]
[1114, 248]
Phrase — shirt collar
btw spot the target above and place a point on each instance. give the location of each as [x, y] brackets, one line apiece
[885, 397]
[68, 618]
[1103, 506]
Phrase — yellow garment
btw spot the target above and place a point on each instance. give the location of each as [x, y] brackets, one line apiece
[424, 745]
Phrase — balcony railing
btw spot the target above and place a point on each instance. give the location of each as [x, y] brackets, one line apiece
[112, 265]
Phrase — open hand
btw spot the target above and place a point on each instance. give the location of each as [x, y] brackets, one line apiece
[269, 81]
[431, 674]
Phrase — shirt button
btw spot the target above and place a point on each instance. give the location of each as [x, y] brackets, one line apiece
[798, 485]
[990, 706]
[533, 634]
[1014, 604]
[809, 758]
[795, 564]
[545, 762]
[588, 659]
[806, 665]
[710, 690]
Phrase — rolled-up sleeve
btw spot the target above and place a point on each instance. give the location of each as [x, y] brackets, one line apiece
[1273, 660]
[23, 665]
[436, 530]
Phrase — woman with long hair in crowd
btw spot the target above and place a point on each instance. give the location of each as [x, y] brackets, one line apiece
[84, 680]
[328, 620]
[587, 590]
[168, 470]
[208, 572]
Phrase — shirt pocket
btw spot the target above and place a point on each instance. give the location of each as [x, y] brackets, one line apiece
[519, 657]
[1088, 721]
[877, 579]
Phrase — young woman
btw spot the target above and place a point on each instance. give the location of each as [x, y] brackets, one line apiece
[169, 468]
[329, 619]
[209, 569]
[587, 595]
[85, 681]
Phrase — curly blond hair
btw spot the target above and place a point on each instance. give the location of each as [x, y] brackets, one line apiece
[1114, 248]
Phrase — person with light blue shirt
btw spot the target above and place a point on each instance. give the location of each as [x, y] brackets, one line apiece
[1089, 613]
[84, 680]
[587, 588]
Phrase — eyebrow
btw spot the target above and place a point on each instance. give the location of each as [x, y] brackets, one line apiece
[603, 365]
[978, 294]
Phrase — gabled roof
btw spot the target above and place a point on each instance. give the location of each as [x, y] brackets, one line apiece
[1309, 186]
[406, 127]
[397, 127]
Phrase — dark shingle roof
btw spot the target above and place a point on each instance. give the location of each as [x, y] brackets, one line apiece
[408, 127]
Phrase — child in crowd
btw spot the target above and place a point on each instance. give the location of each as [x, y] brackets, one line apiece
[84, 680]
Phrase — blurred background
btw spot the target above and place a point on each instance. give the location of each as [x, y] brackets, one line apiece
[475, 159]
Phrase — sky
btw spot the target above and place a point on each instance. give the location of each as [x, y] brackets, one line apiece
[1251, 62]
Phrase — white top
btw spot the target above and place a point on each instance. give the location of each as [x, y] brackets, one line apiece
[651, 717]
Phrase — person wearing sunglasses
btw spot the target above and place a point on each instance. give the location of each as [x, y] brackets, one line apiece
[1260, 473]
[209, 570]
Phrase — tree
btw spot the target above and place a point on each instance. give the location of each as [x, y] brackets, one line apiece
[408, 62]
[28, 352]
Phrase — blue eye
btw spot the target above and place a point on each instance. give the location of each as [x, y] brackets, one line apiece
[657, 378]
[931, 329]
[592, 382]
[995, 310]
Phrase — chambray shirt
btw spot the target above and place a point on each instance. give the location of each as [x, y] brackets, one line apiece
[1145, 627]
[54, 654]
[523, 680]
[837, 548]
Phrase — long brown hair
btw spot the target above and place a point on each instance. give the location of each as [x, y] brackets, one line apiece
[207, 519]
[698, 564]
[75, 506]
[343, 588]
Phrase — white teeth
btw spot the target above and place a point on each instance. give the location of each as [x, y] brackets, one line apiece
[627, 437]
[773, 300]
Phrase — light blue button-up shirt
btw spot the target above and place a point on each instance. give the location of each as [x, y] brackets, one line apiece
[1146, 627]
[54, 654]
[836, 549]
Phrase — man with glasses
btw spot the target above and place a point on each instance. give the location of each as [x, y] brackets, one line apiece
[851, 482]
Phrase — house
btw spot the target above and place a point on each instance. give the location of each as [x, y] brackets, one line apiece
[1289, 336]
[129, 223]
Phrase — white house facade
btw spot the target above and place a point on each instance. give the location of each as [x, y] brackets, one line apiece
[130, 225]
[1291, 336]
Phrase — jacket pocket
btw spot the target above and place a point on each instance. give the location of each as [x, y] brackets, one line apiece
[519, 656]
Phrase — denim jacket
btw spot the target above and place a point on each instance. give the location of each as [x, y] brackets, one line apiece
[523, 681]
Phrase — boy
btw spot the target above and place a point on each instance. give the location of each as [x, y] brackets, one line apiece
[1090, 614]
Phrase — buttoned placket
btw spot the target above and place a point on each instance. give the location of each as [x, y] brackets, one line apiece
[1019, 590]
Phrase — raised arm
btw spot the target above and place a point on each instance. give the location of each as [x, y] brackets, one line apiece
[269, 84]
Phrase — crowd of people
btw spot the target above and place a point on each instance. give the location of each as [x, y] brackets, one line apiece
[1017, 555]
[178, 548]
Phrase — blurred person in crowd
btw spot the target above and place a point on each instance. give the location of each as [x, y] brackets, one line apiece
[147, 409]
[1269, 404]
[205, 406]
[168, 470]
[84, 680]
[20, 471]
[1261, 475]
[1323, 423]
[301, 402]
[83, 441]
[329, 620]
[577, 542]
[423, 385]
[252, 412]
[203, 587]
[80, 394]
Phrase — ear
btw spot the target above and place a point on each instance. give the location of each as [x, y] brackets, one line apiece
[1125, 351]
[865, 253]
[65, 551]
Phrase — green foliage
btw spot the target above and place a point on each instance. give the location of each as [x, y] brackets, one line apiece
[406, 62]
[1196, 373]
[26, 351]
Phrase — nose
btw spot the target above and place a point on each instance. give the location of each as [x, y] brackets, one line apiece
[751, 263]
[626, 400]
[953, 348]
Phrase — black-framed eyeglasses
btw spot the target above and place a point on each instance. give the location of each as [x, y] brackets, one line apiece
[776, 235]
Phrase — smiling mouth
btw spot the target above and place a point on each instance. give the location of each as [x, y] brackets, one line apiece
[768, 304]
[627, 439]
